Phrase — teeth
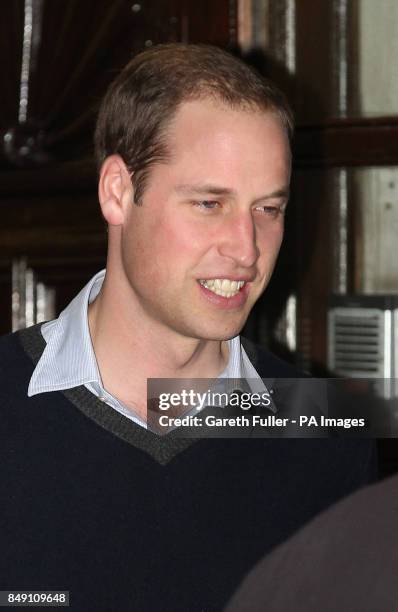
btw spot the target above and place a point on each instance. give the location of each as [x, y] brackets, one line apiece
[223, 286]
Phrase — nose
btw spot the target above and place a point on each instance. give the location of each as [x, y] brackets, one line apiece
[238, 240]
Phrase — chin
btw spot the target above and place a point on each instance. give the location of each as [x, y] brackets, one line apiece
[218, 335]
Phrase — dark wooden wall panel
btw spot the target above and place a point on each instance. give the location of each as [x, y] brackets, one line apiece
[50, 213]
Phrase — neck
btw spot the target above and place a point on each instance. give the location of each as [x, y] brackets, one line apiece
[131, 347]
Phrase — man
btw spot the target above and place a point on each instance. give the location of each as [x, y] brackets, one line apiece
[194, 157]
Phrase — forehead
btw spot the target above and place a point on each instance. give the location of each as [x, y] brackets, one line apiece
[201, 121]
[210, 136]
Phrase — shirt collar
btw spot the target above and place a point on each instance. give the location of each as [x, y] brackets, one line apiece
[68, 359]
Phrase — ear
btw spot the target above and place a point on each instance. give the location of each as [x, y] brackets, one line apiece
[115, 190]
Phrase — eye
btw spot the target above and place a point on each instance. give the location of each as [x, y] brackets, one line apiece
[207, 204]
[271, 211]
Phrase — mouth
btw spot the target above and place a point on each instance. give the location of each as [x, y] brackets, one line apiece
[223, 286]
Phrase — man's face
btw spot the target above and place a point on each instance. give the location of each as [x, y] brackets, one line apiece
[201, 248]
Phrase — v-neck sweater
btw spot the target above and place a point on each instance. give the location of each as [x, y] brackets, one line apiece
[125, 520]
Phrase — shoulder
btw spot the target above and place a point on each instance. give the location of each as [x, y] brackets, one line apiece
[11, 351]
[23, 344]
[19, 353]
[354, 458]
[267, 364]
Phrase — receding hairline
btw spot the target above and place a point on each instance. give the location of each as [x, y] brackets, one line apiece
[249, 108]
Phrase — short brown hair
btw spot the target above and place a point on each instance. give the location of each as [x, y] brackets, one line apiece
[143, 99]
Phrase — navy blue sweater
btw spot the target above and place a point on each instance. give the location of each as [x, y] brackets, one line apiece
[129, 521]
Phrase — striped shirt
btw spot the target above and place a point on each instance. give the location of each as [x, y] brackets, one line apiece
[68, 359]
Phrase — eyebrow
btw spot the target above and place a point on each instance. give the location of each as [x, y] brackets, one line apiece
[225, 191]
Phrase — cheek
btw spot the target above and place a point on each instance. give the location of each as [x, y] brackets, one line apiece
[178, 244]
[279, 238]
[270, 241]
[162, 251]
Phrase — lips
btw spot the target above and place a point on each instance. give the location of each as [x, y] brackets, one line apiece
[224, 287]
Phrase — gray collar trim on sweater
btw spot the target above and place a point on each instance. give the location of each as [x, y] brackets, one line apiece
[161, 448]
